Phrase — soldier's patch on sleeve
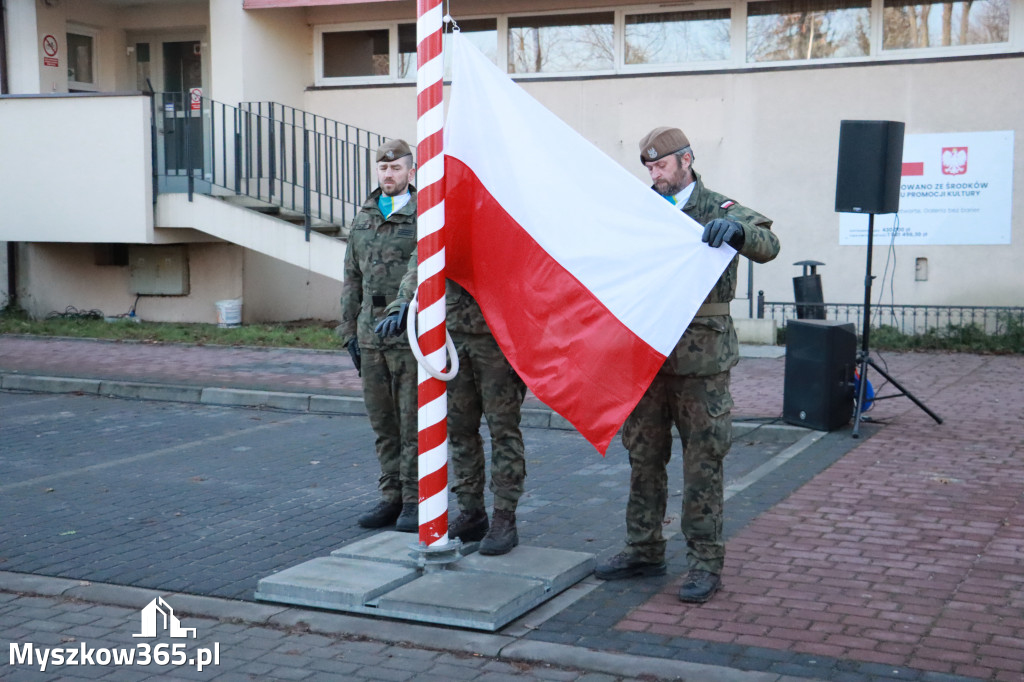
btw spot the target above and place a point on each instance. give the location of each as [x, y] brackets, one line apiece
[729, 203]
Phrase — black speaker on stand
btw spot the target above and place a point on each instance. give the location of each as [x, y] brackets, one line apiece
[868, 181]
[818, 385]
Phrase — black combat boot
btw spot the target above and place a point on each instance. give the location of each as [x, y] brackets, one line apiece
[469, 526]
[384, 514]
[624, 565]
[409, 520]
[502, 536]
[699, 586]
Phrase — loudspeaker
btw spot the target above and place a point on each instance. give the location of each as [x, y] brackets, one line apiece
[870, 166]
[818, 388]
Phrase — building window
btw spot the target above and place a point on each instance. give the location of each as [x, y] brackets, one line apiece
[908, 24]
[81, 44]
[782, 30]
[406, 51]
[653, 38]
[561, 43]
[356, 53]
[677, 37]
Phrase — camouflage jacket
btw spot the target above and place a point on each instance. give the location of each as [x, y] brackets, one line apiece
[709, 344]
[375, 261]
[462, 312]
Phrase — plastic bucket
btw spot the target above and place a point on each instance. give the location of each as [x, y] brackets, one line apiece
[229, 312]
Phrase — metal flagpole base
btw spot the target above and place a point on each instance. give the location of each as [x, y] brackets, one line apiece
[379, 576]
[432, 558]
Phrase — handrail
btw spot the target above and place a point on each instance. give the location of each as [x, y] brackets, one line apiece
[276, 154]
[907, 319]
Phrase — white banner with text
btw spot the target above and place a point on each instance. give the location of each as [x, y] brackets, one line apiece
[956, 188]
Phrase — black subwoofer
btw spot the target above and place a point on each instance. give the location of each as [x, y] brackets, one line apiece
[820, 358]
[870, 166]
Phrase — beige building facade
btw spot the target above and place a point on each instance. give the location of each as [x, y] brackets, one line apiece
[760, 88]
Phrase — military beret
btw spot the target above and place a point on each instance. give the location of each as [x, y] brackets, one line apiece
[393, 149]
[662, 142]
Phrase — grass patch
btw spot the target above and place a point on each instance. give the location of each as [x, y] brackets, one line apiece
[316, 334]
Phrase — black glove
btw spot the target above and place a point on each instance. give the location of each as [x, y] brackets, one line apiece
[393, 324]
[357, 355]
[723, 230]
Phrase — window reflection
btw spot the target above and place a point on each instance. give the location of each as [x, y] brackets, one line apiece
[908, 24]
[570, 42]
[779, 30]
[677, 37]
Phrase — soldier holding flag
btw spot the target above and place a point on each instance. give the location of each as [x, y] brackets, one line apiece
[691, 390]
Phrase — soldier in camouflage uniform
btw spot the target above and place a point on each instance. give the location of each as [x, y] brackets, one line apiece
[383, 236]
[691, 390]
[486, 385]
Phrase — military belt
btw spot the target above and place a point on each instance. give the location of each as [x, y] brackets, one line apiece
[713, 310]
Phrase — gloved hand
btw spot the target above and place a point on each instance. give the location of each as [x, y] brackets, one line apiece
[393, 324]
[357, 355]
[723, 230]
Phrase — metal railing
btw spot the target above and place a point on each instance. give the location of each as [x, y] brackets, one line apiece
[273, 153]
[906, 319]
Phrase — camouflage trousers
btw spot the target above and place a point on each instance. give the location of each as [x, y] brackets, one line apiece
[700, 407]
[485, 385]
[390, 394]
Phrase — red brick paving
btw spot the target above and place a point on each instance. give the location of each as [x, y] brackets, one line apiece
[909, 551]
[757, 384]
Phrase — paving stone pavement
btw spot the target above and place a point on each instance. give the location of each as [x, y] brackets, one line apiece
[893, 556]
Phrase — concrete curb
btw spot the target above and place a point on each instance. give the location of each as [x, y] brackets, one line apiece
[532, 417]
[44, 384]
[628, 665]
[502, 647]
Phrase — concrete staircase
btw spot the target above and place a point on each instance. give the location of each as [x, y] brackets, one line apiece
[293, 217]
[242, 221]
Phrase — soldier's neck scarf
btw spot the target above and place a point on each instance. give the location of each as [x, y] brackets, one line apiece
[389, 205]
[682, 197]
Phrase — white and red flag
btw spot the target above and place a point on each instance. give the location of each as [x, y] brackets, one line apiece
[587, 277]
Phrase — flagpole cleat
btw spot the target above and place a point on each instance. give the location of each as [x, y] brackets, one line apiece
[433, 558]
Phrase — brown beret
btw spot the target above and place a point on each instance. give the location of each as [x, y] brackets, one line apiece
[393, 149]
[661, 142]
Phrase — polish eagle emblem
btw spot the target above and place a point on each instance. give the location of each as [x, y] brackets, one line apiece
[954, 160]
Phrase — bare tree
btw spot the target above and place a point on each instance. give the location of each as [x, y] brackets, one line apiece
[947, 23]
[965, 22]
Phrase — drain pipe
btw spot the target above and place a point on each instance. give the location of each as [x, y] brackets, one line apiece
[12, 276]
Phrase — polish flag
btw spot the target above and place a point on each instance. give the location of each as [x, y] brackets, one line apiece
[586, 276]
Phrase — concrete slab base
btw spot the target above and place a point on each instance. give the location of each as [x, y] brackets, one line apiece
[382, 575]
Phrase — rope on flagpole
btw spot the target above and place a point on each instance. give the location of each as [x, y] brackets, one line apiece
[432, 460]
[453, 356]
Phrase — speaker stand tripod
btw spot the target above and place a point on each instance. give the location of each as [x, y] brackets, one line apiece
[864, 354]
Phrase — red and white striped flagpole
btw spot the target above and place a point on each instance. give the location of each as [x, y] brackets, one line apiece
[433, 399]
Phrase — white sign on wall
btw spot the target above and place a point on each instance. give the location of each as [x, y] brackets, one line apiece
[957, 188]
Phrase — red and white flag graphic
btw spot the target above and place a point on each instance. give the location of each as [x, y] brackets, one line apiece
[586, 277]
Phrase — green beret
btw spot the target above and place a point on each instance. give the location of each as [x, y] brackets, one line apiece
[393, 149]
[662, 142]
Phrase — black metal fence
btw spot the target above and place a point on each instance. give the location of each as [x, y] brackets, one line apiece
[906, 319]
[264, 150]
